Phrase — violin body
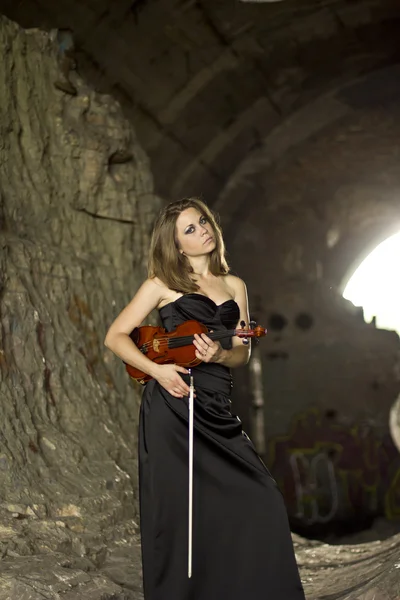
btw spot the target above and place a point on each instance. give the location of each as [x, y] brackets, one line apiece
[176, 347]
[155, 344]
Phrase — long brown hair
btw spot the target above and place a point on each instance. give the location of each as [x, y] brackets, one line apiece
[165, 260]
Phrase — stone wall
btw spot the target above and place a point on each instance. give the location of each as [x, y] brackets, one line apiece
[77, 206]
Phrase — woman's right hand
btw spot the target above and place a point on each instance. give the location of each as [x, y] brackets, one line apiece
[168, 377]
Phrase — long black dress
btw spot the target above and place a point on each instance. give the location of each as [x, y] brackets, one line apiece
[242, 548]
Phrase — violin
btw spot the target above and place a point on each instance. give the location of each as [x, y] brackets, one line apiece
[177, 346]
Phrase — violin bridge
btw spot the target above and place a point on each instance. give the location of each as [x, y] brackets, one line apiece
[156, 345]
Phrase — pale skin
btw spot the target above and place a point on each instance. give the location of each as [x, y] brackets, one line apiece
[195, 238]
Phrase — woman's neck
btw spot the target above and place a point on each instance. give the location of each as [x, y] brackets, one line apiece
[200, 266]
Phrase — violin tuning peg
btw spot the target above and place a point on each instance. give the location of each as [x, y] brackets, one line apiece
[245, 340]
[252, 324]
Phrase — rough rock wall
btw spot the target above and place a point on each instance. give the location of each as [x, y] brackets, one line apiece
[76, 210]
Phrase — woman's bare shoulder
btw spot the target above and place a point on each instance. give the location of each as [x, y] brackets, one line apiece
[165, 295]
[155, 286]
[235, 283]
[156, 281]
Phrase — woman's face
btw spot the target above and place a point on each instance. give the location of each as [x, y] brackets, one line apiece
[194, 233]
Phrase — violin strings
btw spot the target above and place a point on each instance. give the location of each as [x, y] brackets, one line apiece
[187, 339]
[170, 343]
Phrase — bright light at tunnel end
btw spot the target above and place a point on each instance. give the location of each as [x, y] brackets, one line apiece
[375, 285]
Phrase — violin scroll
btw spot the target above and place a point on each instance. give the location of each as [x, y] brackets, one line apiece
[255, 331]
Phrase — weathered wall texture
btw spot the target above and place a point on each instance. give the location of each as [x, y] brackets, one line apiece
[75, 222]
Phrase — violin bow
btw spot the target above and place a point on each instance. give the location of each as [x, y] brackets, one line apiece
[191, 414]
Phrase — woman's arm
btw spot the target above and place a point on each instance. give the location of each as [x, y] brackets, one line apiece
[118, 341]
[239, 354]
[117, 338]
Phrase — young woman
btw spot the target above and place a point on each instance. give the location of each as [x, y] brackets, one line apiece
[242, 548]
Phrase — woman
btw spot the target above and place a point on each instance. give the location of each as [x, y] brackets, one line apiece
[242, 548]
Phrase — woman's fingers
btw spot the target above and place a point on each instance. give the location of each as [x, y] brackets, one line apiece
[200, 340]
[203, 356]
[181, 387]
[207, 340]
[179, 383]
[200, 344]
[171, 380]
[178, 393]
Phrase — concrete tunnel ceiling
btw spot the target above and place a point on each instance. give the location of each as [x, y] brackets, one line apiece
[334, 160]
[219, 91]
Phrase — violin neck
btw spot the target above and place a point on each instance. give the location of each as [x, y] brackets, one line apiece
[186, 340]
[220, 335]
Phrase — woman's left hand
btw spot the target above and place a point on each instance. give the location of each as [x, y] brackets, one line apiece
[206, 349]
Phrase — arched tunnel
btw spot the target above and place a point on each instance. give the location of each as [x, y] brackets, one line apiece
[284, 117]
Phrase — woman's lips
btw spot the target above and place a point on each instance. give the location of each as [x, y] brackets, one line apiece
[210, 239]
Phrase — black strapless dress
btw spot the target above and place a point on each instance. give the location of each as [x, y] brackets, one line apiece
[242, 548]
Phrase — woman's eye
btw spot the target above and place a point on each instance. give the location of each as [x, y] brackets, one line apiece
[203, 220]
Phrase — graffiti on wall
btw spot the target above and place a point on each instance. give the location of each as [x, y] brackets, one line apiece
[327, 471]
